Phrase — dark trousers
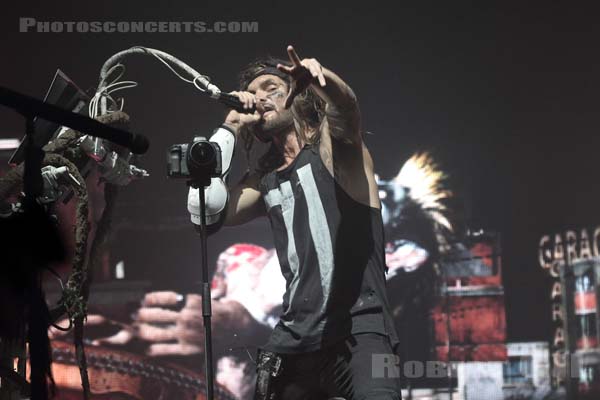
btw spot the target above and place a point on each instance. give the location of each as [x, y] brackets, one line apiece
[342, 370]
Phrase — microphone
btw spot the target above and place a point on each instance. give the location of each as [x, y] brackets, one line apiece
[232, 101]
[31, 107]
[229, 100]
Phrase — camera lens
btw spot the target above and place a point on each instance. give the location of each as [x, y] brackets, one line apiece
[202, 153]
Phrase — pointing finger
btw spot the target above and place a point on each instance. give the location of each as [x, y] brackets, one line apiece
[293, 55]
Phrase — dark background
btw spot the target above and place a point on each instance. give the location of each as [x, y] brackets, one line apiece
[505, 98]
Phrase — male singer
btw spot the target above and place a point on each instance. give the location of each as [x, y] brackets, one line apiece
[317, 187]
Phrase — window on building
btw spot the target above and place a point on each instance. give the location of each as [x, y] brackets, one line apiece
[517, 370]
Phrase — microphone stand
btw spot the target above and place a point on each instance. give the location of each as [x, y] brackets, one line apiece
[200, 184]
[16, 384]
[37, 218]
[32, 107]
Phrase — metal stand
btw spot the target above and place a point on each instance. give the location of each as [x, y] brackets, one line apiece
[14, 384]
[206, 299]
[37, 321]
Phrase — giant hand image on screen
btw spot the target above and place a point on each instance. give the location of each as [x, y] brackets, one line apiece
[247, 291]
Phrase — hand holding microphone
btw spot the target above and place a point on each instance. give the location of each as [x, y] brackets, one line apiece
[242, 102]
[243, 111]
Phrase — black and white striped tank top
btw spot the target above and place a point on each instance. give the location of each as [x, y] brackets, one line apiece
[331, 251]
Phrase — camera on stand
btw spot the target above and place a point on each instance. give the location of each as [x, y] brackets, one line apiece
[197, 161]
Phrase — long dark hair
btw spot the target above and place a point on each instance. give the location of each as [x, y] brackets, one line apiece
[307, 109]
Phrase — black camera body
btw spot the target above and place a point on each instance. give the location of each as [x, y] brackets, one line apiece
[197, 161]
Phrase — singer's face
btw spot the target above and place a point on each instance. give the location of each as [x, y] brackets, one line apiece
[270, 92]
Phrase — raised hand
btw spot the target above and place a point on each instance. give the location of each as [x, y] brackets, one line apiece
[303, 73]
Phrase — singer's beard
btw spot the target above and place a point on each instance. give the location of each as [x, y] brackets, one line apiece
[277, 126]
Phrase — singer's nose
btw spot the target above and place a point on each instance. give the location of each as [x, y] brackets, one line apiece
[261, 100]
[260, 96]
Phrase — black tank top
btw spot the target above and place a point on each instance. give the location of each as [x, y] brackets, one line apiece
[331, 251]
